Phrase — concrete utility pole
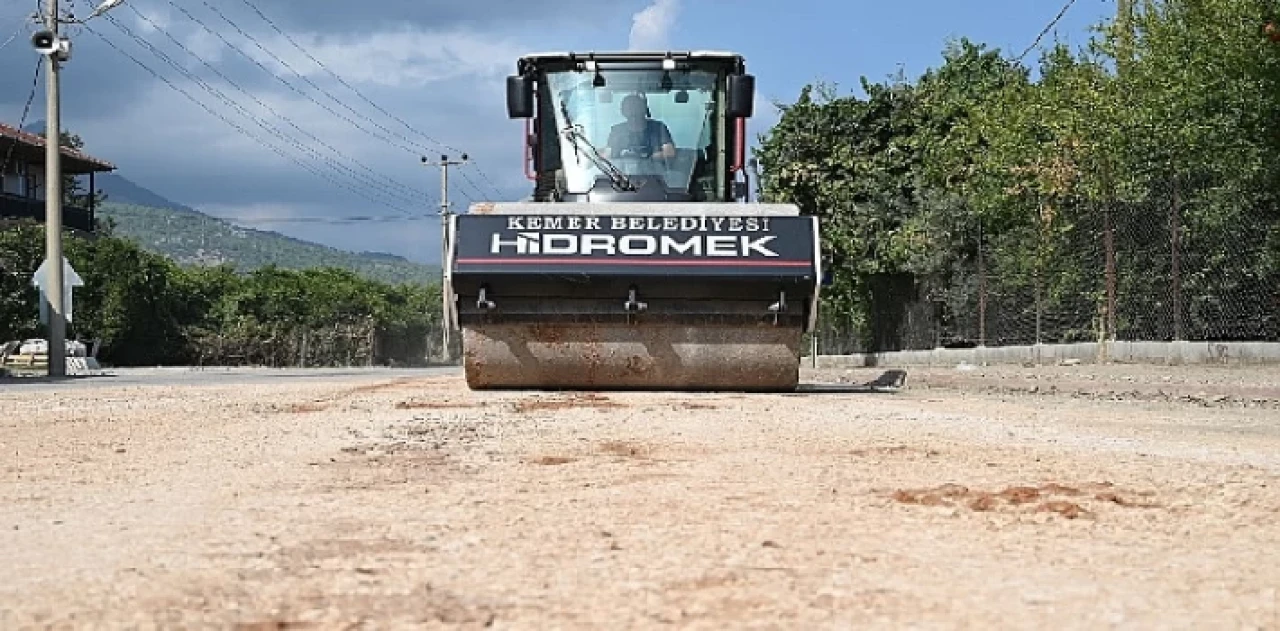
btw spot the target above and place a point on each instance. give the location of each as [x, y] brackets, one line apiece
[53, 204]
[56, 50]
[447, 351]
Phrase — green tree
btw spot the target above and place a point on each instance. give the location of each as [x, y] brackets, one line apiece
[21, 250]
[1165, 171]
[132, 300]
[73, 191]
[887, 175]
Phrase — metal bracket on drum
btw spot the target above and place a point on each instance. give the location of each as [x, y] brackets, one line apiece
[633, 304]
[778, 307]
[483, 303]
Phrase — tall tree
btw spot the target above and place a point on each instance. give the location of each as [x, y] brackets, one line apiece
[74, 192]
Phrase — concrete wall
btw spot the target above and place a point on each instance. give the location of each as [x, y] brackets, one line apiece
[1088, 352]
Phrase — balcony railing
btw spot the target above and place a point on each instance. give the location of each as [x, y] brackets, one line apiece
[15, 207]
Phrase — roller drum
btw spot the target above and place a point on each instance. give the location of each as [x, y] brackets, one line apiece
[737, 357]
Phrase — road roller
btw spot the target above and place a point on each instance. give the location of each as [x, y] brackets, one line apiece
[639, 260]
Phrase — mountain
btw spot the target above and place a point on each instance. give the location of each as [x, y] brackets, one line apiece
[122, 190]
[190, 237]
[193, 238]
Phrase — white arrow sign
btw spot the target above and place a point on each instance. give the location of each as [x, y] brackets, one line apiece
[70, 279]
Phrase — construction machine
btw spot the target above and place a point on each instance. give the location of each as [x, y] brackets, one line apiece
[639, 260]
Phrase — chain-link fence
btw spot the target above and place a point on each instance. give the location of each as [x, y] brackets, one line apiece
[339, 345]
[1174, 268]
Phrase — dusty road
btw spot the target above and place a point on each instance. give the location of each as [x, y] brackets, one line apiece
[971, 499]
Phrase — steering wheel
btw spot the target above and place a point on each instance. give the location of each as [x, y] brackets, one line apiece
[636, 152]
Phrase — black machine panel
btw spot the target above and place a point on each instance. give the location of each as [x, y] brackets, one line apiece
[671, 246]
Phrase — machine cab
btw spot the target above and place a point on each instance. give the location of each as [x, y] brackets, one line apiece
[633, 126]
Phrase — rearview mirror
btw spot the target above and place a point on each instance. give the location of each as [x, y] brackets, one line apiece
[742, 96]
[520, 96]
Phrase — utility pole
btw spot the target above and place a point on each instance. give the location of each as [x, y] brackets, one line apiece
[446, 351]
[53, 202]
[57, 50]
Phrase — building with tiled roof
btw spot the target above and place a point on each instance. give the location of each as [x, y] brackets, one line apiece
[22, 181]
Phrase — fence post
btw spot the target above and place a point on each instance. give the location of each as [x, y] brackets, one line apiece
[1039, 273]
[982, 289]
[1175, 239]
[1109, 243]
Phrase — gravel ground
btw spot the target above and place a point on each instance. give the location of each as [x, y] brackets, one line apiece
[1064, 497]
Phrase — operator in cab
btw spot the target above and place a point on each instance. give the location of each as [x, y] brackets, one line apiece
[639, 136]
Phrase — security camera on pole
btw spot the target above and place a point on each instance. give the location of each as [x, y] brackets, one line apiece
[57, 50]
[446, 353]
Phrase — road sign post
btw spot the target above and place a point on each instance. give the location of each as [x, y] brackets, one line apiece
[43, 279]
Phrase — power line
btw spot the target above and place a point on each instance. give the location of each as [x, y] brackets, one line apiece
[1048, 28]
[358, 93]
[269, 73]
[14, 36]
[485, 176]
[219, 116]
[298, 74]
[415, 194]
[327, 220]
[339, 79]
[293, 70]
[22, 122]
[263, 125]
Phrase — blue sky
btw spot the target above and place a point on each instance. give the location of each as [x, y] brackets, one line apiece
[438, 67]
[837, 42]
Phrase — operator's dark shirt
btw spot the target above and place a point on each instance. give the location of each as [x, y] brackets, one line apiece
[648, 140]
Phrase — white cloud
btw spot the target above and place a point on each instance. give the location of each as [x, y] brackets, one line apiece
[651, 26]
[409, 57]
[205, 46]
[265, 213]
[187, 45]
[148, 21]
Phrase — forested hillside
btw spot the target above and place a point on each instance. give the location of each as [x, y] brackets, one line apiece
[192, 238]
[1129, 190]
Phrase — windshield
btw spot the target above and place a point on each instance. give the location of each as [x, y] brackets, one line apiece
[642, 122]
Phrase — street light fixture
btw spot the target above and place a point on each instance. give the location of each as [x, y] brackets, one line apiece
[57, 50]
[103, 8]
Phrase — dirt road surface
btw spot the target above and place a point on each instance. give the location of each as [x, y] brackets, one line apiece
[1065, 497]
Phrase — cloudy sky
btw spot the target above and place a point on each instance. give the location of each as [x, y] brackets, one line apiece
[257, 110]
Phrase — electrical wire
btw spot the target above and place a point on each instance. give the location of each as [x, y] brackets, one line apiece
[219, 116]
[329, 220]
[404, 192]
[268, 71]
[340, 80]
[258, 44]
[362, 96]
[15, 35]
[418, 196]
[22, 122]
[270, 129]
[1048, 28]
